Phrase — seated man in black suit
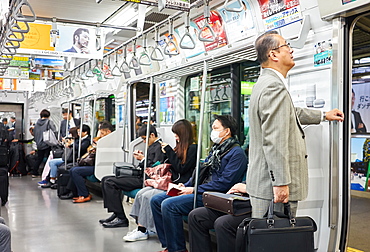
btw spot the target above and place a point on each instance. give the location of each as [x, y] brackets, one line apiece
[112, 187]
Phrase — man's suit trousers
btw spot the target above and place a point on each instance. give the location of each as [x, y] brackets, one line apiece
[202, 219]
[112, 188]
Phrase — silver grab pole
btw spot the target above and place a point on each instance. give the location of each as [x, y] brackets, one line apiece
[81, 123]
[124, 119]
[65, 152]
[201, 119]
[93, 121]
[148, 125]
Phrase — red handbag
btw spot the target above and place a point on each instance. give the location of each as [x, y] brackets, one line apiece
[160, 176]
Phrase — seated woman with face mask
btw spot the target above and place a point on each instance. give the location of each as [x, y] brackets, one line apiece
[225, 166]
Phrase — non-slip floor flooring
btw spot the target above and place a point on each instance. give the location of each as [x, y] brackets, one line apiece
[41, 222]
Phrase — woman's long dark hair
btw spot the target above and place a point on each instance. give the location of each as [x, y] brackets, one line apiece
[184, 130]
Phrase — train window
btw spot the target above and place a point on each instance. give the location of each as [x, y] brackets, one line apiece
[217, 101]
[250, 73]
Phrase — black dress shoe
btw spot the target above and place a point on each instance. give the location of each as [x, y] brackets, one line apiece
[109, 219]
[67, 196]
[54, 186]
[117, 222]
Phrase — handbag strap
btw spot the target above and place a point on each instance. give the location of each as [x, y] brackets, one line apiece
[287, 214]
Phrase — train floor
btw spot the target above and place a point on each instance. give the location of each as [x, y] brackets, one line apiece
[40, 221]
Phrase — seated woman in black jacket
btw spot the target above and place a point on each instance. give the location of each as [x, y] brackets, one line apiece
[182, 159]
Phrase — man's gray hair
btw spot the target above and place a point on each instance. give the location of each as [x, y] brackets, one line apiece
[264, 44]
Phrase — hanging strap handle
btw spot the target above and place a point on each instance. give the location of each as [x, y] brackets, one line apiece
[187, 35]
[124, 68]
[115, 70]
[207, 13]
[226, 6]
[134, 62]
[157, 49]
[170, 42]
[17, 13]
[144, 55]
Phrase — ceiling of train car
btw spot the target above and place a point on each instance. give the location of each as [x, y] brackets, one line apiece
[91, 13]
[75, 10]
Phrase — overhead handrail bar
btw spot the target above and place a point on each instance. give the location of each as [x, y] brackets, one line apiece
[187, 34]
[115, 70]
[144, 55]
[167, 48]
[124, 68]
[134, 62]
[156, 48]
[196, 4]
[207, 14]
[227, 8]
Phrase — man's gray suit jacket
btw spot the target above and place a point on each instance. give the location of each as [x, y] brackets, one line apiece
[277, 150]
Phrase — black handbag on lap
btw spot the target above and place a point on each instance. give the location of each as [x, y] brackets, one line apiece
[227, 203]
[278, 232]
[58, 151]
[123, 169]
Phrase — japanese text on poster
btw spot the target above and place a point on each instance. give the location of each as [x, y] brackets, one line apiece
[278, 13]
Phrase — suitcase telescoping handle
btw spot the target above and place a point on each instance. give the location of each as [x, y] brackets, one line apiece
[287, 213]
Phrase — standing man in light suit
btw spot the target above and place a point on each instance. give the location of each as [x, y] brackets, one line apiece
[277, 152]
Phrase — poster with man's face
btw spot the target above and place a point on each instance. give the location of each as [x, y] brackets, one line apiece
[72, 41]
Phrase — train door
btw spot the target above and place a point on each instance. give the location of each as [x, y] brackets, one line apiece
[359, 117]
[139, 97]
[9, 110]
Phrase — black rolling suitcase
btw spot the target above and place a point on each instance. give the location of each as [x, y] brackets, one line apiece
[278, 232]
[31, 161]
[4, 185]
[63, 178]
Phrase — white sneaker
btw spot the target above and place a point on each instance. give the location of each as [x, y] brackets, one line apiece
[136, 235]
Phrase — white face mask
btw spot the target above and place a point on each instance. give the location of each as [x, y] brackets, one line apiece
[215, 136]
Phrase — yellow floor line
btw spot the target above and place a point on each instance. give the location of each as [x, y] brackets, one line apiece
[353, 250]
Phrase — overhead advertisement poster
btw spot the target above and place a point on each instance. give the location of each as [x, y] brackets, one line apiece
[217, 25]
[47, 68]
[279, 13]
[18, 68]
[183, 5]
[239, 25]
[72, 41]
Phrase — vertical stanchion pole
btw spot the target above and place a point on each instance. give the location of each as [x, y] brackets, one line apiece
[124, 119]
[81, 123]
[200, 131]
[151, 88]
[67, 123]
[93, 120]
